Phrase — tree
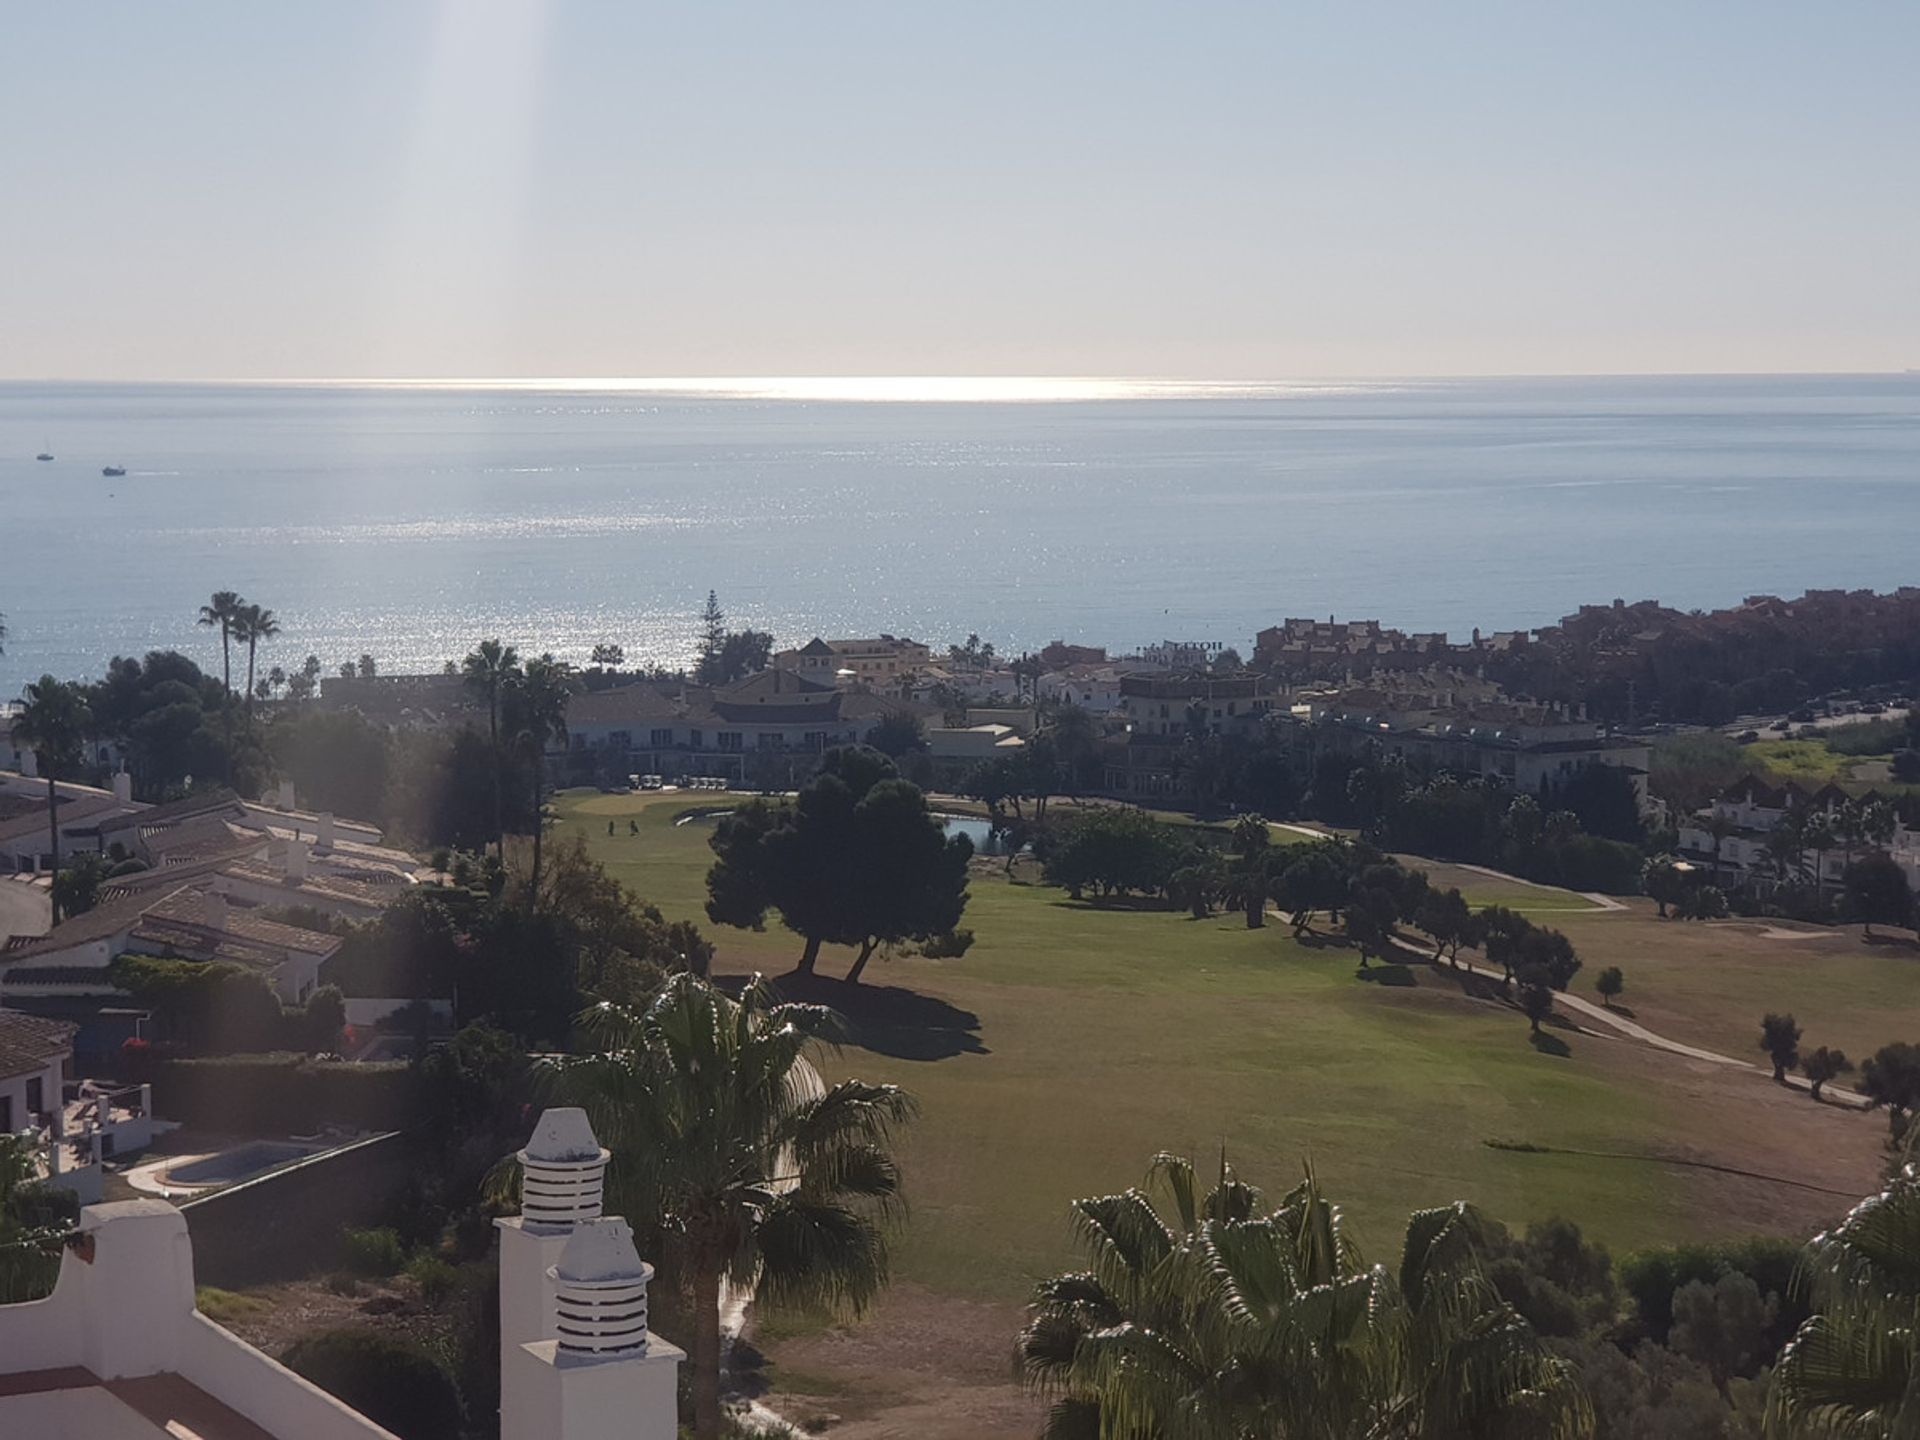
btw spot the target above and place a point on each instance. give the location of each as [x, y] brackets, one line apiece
[1200, 1313]
[743, 653]
[1536, 993]
[1317, 877]
[713, 640]
[1609, 983]
[1877, 891]
[857, 859]
[76, 889]
[366, 666]
[610, 657]
[536, 705]
[1780, 1038]
[1891, 1077]
[1848, 1371]
[1663, 882]
[1370, 915]
[54, 724]
[1723, 1326]
[218, 613]
[1450, 920]
[1822, 1065]
[489, 668]
[727, 1145]
[393, 1382]
[1506, 932]
[897, 733]
[1252, 844]
[252, 624]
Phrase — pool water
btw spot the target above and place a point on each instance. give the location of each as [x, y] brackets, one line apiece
[240, 1163]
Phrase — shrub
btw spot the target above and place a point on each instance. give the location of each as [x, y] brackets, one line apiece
[376, 1252]
[280, 1092]
[390, 1381]
[950, 946]
[434, 1277]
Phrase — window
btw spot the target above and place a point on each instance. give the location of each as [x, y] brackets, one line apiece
[6, 1114]
[620, 739]
[816, 740]
[662, 738]
[730, 740]
[36, 1095]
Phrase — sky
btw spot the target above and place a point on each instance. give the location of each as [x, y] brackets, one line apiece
[605, 188]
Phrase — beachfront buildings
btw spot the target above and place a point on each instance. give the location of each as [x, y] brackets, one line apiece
[1161, 714]
[120, 1351]
[881, 663]
[770, 726]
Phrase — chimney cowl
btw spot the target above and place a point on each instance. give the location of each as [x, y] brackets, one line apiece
[563, 1134]
[600, 1294]
[563, 1173]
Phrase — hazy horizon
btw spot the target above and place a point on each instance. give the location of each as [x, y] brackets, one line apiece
[557, 188]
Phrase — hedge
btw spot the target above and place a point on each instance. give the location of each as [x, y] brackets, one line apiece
[392, 1382]
[283, 1093]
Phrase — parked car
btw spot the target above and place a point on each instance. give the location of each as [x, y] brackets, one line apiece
[1747, 737]
[1801, 716]
[1781, 725]
[1873, 707]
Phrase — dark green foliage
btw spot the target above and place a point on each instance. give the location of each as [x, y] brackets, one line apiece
[1536, 993]
[76, 889]
[1724, 1326]
[281, 1093]
[338, 760]
[393, 1382]
[1890, 1077]
[216, 1008]
[1824, 1064]
[1877, 891]
[411, 952]
[898, 733]
[1780, 1038]
[1652, 1278]
[857, 859]
[1112, 850]
[1906, 766]
[950, 946]
[1561, 1283]
[1609, 983]
[374, 1253]
[1448, 918]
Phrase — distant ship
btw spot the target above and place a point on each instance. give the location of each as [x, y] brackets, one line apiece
[43, 455]
[112, 470]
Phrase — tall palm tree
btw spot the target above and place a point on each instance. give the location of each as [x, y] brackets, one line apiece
[1850, 1369]
[488, 669]
[55, 724]
[218, 613]
[1206, 1316]
[251, 624]
[536, 701]
[727, 1144]
[1819, 836]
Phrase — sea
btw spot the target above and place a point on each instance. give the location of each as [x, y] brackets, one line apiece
[407, 521]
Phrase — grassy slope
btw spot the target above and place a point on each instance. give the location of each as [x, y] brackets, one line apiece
[1085, 1040]
[1710, 984]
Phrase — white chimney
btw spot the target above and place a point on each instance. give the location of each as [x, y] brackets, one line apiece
[323, 832]
[283, 797]
[213, 910]
[576, 1359]
[296, 860]
[123, 787]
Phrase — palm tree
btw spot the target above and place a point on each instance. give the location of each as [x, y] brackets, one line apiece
[1719, 826]
[1818, 836]
[251, 624]
[55, 724]
[219, 612]
[727, 1144]
[490, 667]
[1216, 1318]
[537, 703]
[1849, 1371]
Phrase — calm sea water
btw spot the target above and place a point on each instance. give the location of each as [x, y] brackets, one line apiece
[409, 522]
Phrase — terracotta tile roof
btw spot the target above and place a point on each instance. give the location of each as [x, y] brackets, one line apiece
[70, 809]
[105, 920]
[188, 907]
[27, 1042]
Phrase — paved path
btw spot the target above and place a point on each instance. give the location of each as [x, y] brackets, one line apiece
[24, 909]
[1606, 904]
[1616, 1021]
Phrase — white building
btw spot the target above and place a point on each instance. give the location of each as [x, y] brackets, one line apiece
[119, 1351]
[882, 662]
[1730, 836]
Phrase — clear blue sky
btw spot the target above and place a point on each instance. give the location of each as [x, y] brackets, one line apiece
[1260, 190]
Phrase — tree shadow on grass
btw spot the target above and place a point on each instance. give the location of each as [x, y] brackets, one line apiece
[889, 1019]
[1393, 974]
[1885, 941]
[1551, 1045]
[1625, 1012]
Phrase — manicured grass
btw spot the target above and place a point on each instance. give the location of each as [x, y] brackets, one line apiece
[1709, 984]
[1071, 1043]
[1806, 762]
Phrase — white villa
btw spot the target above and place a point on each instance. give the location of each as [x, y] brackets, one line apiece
[881, 662]
[74, 1127]
[119, 1351]
[1752, 811]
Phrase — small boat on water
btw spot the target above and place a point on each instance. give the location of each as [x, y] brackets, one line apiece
[112, 470]
[43, 455]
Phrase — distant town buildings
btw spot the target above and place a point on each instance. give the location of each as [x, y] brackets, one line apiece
[882, 662]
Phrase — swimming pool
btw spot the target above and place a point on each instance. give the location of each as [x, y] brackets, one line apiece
[243, 1162]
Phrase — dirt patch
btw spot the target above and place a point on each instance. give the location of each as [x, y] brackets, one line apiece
[921, 1366]
[306, 1307]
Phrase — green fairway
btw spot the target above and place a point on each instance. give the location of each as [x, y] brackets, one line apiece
[1071, 1043]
